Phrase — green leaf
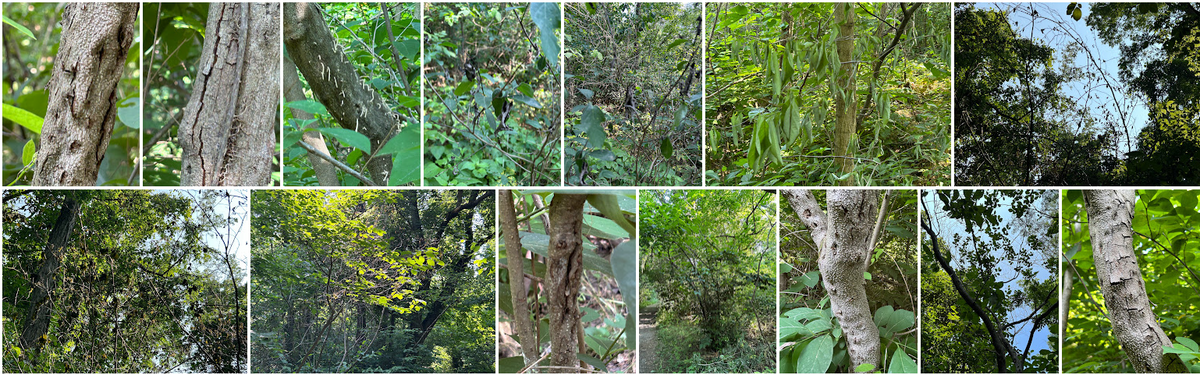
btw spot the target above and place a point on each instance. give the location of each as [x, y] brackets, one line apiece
[464, 87]
[604, 155]
[625, 270]
[527, 101]
[587, 93]
[23, 30]
[785, 268]
[511, 365]
[406, 163]
[1188, 343]
[595, 362]
[349, 137]
[666, 149]
[610, 207]
[24, 118]
[525, 89]
[866, 367]
[310, 106]
[593, 124]
[29, 152]
[866, 275]
[129, 111]
[812, 278]
[548, 20]
[902, 364]
[539, 244]
[816, 356]
[676, 43]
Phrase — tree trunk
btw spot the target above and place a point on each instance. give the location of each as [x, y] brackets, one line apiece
[335, 82]
[293, 91]
[37, 324]
[842, 239]
[83, 92]
[1110, 217]
[845, 106]
[516, 277]
[228, 128]
[566, 271]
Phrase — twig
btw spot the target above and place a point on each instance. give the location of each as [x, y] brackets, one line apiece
[529, 366]
[336, 163]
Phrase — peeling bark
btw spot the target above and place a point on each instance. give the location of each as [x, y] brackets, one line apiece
[336, 84]
[228, 128]
[566, 272]
[95, 40]
[845, 107]
[843, 239]
[293, 91]
[1110, 218]
[37, 324]
[516, 277]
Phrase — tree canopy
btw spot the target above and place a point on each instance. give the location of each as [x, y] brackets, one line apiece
[125, 281]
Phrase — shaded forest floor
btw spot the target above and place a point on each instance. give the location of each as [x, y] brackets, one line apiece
[648, 330]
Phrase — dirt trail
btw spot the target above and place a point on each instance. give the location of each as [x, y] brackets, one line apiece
[648, 337]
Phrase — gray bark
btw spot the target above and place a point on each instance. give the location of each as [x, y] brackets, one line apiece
[565, 272]
[37, 324]
[293, 91]
[229, 125]
[843, 240]
[83, 92]
[1110, 218]
[336, 84]
[516, 277]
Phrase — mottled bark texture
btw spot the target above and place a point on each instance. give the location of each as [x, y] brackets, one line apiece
[83, 92]
[229, 125]
[1110, 219]
[566, 271]
[516, 277]
[37, 323]
[845, 106]
[336, 84]
[843, 240]
[293, 91]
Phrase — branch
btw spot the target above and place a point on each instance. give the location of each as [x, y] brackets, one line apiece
[336, 163]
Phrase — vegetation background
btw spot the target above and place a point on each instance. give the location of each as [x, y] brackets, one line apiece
[31, 41]
[707, 258]
[775, 93]
[633, 86]
[492, 94]
[374, 281]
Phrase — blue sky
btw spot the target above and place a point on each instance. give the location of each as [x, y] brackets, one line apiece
[946, 228]
[1052, 27]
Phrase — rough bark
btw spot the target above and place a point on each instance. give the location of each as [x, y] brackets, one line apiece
[516, 277]
[566, 271]
[37, 323]
[1110, 218]
[842, 239]
[335, 82]
[293, 91]
[228, 128]
[83, 92]
[845, 106]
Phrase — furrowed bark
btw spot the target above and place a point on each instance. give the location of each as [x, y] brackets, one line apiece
[335, 82]
[845, 106]
[1110, 218]
[566, 271]
[516, 277]
[843, 239]
[83, 92]
[228, 128]
[293, 91]
[37, 324]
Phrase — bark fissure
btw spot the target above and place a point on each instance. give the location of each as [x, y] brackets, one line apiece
[1110, 219]
[81, 111]
[565, 271]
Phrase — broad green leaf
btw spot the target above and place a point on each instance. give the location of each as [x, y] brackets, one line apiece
[866, 367]
[464, 87]
[29, 152]
[587, 93]
[816, 356]
[129, 111]
[812, 278]
[349, 137]
[625, 270]
[511, 365]
[611, 208]
[310, 106]
[593, 124]
[406, 159]
[902, 364]
[548, 20]
[24, 118]
[666, 149]
[527, 101]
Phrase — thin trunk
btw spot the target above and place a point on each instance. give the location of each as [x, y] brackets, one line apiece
[228, 128]
[293, 91]
[842, 239]
[845, 106]
[83, 92]
[516, 277]
[37, 324]
[1110, 217]
[566, 272]
[336, 84]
